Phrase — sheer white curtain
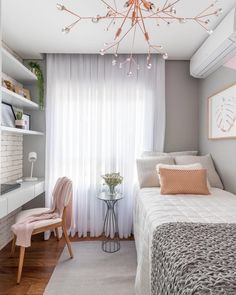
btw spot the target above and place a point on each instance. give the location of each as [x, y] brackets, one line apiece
[99, 121]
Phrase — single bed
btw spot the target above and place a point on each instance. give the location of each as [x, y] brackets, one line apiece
[152, 210]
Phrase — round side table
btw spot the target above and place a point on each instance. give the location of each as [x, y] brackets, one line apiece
[111, 242]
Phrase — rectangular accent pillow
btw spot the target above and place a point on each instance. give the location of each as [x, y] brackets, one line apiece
[172, 154]
[192, 182]
[195, 166]
[207, 163]
[146, 168]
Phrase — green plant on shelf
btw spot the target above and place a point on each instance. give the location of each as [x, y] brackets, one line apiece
[36, 69]
[19, 115]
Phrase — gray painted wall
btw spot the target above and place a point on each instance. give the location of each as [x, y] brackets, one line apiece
[36, 143]
[182, 117]
[223, 151]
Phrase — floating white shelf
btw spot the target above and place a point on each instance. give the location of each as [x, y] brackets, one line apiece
[15, 69]
[17, 100]
[20, 131]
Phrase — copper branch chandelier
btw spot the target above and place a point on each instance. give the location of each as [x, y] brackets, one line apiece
[136, 13]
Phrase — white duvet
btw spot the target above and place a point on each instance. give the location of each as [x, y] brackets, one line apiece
[153, 209]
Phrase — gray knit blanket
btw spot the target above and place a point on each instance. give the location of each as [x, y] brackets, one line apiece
[194, 259]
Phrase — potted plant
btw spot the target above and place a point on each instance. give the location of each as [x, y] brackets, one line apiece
[112, 180]
[35, 68]
[19, 122]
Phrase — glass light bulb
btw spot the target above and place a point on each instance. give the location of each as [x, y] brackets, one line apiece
[152, 6]
[149, 66]
[102, 51]
[65, 30]
[173, 10]
[182, 20]
[165, 55]
[129, 74]
[126, 4]
[60, 7]
[114, 62]
[96, 19]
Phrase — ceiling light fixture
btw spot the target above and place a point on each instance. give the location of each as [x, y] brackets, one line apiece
[136, 13]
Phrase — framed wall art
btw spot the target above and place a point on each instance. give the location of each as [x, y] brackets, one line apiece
[8, 115]
[222, 114]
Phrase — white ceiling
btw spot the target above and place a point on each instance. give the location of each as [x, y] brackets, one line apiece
[31, 27]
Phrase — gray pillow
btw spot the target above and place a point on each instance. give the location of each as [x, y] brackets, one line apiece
[146, 168]
[158, 154]
[152, 154]
[207, 163]
[185, 153]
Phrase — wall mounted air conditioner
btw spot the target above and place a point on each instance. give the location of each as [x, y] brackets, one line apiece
[217, 49]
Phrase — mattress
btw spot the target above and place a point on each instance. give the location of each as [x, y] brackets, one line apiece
[152, 209]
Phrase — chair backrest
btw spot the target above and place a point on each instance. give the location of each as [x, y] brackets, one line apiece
[62, 193]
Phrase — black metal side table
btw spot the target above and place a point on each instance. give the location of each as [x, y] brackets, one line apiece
[111, 242]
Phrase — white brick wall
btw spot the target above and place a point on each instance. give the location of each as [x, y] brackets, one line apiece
[11, 157]
[11, 170]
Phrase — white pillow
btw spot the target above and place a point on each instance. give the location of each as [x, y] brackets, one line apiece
[195, 166]
[172, 154]
[207, 163]
[146, 168]
[153, 154]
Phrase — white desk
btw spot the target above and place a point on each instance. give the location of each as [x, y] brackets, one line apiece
[20, 196]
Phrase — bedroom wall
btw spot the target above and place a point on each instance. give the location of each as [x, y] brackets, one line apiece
[182, 117]
[223, 150]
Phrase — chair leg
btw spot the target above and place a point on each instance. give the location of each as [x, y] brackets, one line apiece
[13, 246]
[20, 266]
[57, 234]
[67, 240]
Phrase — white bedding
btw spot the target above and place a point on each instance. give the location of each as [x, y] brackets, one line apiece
[153, 209]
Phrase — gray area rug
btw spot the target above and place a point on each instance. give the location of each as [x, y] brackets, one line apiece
[93, 271]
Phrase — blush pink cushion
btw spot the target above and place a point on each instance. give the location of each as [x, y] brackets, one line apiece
[192, 182]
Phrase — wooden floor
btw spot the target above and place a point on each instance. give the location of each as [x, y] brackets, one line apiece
[40, 261]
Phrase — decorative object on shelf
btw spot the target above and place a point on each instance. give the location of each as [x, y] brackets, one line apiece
[222, 114]
[8, 84]
[22, 91]
[133, 15]
[8, 115]
[26, 93]
[20, 123]
[19, 90]
[26, 119]
[112, 180]
[36, 69]
[32, 157]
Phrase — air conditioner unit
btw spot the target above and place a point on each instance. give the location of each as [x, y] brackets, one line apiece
[217, 49]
